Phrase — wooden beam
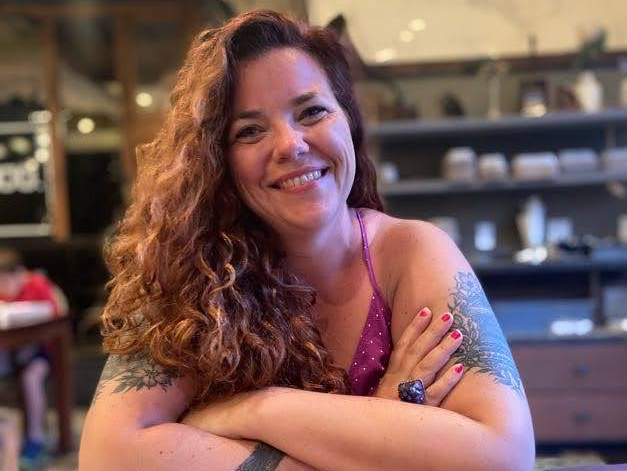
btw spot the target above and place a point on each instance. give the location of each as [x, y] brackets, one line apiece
[125, 58]
[565, 61]
[154, 11]
[60, 201]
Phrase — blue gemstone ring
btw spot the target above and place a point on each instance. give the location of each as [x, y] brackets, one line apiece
[412, 391]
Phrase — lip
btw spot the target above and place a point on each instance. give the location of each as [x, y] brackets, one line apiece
[297, 173]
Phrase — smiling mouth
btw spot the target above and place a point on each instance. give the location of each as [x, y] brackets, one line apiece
[301, 180]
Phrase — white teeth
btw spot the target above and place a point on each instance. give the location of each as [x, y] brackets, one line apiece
[316, 174]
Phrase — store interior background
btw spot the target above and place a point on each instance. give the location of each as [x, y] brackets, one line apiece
[504, 77]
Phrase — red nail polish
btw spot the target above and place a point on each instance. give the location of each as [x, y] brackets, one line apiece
[456, 334]
[446, 317]
[459, 369]
[424, 313]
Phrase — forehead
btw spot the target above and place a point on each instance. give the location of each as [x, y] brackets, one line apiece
[276, 77]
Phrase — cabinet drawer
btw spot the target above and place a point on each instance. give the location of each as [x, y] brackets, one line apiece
[590, 417]
[593, 366]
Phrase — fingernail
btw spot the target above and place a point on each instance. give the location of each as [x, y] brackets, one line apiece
[459, 369]
[456, 334]
[424, 312]
[446, 317]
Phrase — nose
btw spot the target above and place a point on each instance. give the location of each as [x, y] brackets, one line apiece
[289, 143]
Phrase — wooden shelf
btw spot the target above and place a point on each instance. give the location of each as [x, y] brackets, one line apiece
[436, 186]
[416, 129]
[597, 336]
[580, 265]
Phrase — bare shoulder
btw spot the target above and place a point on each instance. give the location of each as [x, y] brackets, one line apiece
[395, 242]
[391, 233]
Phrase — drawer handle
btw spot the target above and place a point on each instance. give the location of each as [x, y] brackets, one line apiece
[581, 371]
[582, 417]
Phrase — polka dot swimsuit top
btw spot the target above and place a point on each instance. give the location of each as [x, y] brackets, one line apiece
[375, 345]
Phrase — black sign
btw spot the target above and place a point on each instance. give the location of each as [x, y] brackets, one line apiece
[24, 155]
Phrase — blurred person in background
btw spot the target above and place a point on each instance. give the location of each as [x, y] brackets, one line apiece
[23, 292]
[265, 313]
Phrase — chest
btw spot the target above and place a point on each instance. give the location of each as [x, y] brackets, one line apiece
[342, 323]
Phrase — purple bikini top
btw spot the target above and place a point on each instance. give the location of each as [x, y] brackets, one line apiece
[375, 345]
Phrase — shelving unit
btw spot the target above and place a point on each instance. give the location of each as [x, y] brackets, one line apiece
[563, 376]
[416, 148]
[579, 265]
[437, 186]
[415, 129]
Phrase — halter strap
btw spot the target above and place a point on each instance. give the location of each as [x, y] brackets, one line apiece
[366, 251]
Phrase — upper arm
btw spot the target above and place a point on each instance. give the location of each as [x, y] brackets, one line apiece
[432, 272]
[133, 395]
[137, 392]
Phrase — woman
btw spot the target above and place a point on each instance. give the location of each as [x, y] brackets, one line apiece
[252, 278]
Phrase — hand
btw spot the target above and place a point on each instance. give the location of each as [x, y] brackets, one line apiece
[227, 418]
[421, 353]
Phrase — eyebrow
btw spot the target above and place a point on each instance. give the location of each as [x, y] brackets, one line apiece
[254, 114]
[300, 99]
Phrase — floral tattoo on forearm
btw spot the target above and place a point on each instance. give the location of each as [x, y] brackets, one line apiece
[134, 372]
[484, 346]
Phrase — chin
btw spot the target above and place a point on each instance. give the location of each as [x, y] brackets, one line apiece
[312, 217]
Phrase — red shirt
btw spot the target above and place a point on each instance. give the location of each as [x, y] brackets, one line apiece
[36, 287]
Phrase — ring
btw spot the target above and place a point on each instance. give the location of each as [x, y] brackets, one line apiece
[412, 391]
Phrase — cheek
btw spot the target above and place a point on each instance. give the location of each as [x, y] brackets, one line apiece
[338, 142]
[246, 170]
[343, 142]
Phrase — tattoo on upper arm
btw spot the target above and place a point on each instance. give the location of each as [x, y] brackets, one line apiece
[484, 345]
[134, 372]
[264, 458]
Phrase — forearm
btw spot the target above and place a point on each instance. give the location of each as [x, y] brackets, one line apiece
[172, 447]
[331, 431]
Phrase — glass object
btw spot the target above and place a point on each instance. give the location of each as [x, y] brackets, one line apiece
[388, 172]
[485, 236]
[589, 92]
[558, 230]
[622, 229]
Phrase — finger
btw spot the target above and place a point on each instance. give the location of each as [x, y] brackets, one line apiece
[435, 394]
[429, 367]
[427, 341]
[415, 328]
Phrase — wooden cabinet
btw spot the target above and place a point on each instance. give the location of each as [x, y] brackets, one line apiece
[577, 390]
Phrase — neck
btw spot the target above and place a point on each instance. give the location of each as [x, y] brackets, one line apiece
[319, 257]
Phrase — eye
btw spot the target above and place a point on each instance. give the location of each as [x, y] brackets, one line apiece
[313, 114]
[248, 133]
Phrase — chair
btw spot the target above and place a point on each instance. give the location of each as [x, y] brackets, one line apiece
[57, 333]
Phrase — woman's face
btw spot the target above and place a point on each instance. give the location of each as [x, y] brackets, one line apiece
[289, 142]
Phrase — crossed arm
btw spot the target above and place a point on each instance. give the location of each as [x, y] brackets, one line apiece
[483, 424]
[131, 425]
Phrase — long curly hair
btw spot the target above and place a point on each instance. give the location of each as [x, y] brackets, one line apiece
[198, 282]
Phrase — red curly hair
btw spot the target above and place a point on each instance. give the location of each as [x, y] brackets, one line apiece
[199, 283]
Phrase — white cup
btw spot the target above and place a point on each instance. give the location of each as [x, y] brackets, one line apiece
[622, 229]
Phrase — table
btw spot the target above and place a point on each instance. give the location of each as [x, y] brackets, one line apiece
[57, 333]
[599, 467]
